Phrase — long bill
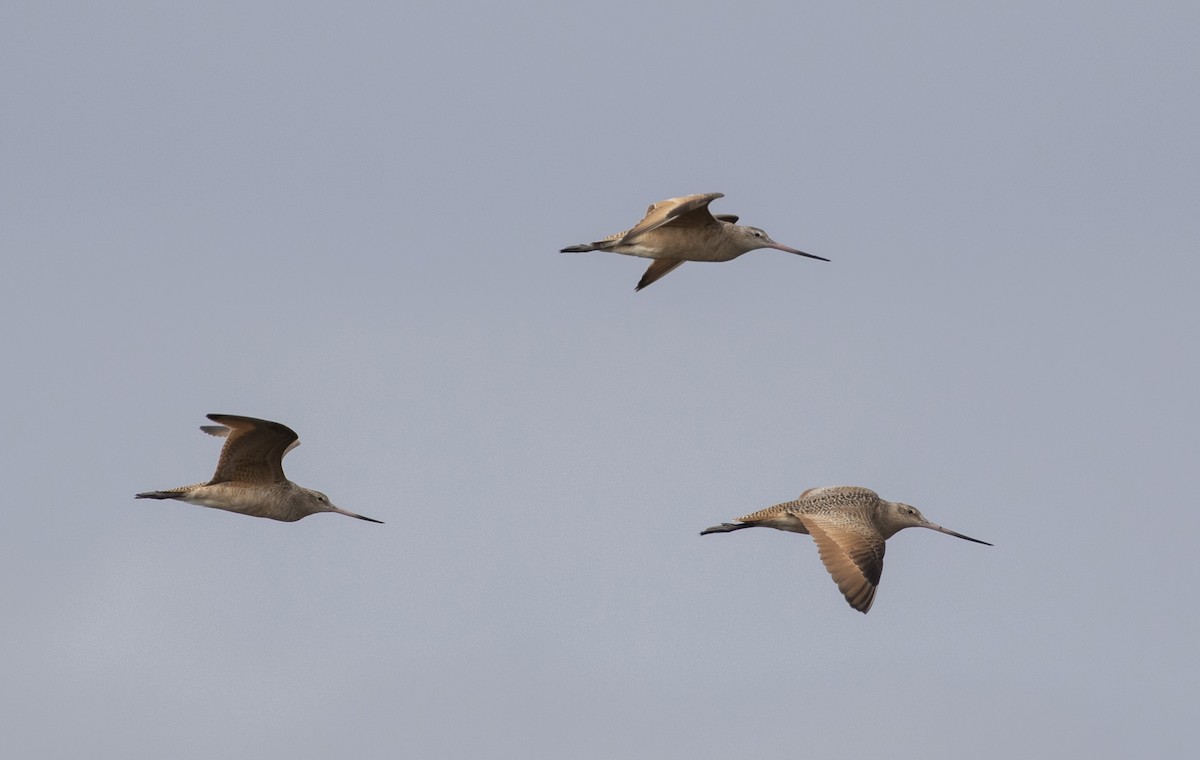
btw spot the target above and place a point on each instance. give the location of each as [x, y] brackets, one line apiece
[949, 532]
[348, 513]
[782, 247]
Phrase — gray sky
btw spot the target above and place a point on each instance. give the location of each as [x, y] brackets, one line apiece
[346, 218]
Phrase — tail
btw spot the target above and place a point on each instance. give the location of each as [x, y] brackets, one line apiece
[156, 495]
[581, 248]
[725, 528]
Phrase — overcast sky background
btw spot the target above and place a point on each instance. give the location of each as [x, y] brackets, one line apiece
[346, 217]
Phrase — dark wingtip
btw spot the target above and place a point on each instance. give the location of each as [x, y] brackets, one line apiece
[646, 281]
[584, 248]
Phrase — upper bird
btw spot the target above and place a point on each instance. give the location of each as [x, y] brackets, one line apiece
[850, 525]
[683, 229]
[249, 477]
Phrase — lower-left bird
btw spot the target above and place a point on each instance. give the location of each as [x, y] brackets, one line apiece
[249, 477]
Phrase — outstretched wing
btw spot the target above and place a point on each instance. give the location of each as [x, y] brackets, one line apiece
[658, 270]
[853, 555]
[254, 448]
[688, 211]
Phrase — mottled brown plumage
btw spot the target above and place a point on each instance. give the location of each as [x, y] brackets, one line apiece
[850, 525]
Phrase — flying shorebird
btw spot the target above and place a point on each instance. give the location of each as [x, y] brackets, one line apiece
[683, 229]
[249, 477]
[850, 525]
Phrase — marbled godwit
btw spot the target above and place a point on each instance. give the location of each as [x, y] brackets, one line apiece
[683, 229]
[850, 525]
[249, 477]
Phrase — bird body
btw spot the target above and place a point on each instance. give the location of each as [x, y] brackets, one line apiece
[683, 229]
[286, 502]
[249, 477]
[850, 525]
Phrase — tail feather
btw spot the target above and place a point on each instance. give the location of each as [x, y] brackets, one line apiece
[725, 528]
[156, 495]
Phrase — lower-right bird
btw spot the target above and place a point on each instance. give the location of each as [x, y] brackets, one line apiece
[850, 525]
